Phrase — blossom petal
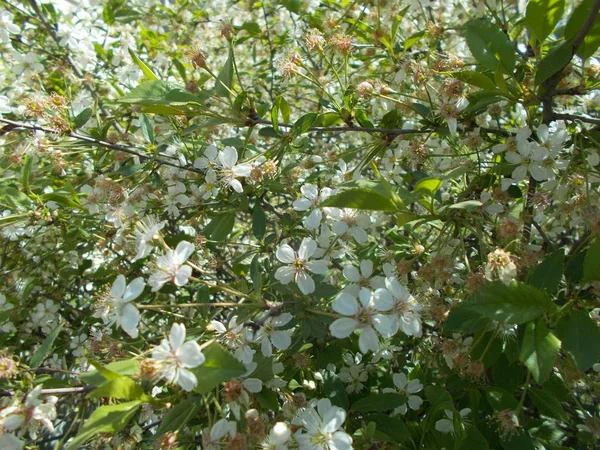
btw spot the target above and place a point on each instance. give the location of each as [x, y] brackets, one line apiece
[183, 251]
[284, 274]
[130, 319]
[177, 336]
[307, 248]
[342, 328]
[285, 254]
[368, 340]
[345, 304]
[187, 380]
[351, 273]
[281, 340]
[333, 419]
[118, 288]
[134, 289]
[190, 354]
[305, 283]
[182, 276]
[318, 267]
[228, 157]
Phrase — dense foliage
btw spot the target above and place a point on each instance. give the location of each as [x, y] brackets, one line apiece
[299, 224]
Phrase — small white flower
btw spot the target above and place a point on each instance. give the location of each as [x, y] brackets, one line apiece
[408, 389]
[323, 428]
[447, 425]
[116, 307]
[171, 267]
[146, 230]
[311, 199]
[269, 334]
[230, 170]
[175, 357]
[406, 309]
[364, 316]
[299, 264]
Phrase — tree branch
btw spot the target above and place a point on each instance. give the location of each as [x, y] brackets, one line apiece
[99, 143]
[591, 120]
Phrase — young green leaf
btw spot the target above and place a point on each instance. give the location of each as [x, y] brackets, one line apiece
[580, 336]
[542, 16]
[539, 350]
[514, 304]
[219, 366]
[145, 69]
[379, 402]
[41, 353]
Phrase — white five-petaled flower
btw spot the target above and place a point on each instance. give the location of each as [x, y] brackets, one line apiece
[299, 265]
[408, 389]
[529, 157]
[171, 267]
[447, 425]
[230, 170]
[406, 310]
[322, 428]
[146, 230]
[365, 316]
[116, 307]
[269, 334]
[32, 414]
[175, 357]
[311, 198]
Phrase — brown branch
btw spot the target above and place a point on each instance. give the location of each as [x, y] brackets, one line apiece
[591, 120]
[551, 83]
[99, 143]
[395, 131]
[56, 391]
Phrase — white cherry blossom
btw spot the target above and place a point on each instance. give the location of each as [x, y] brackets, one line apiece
[175, 357]
[299, 265]
[171, 267]
[116, 307]
[406, 310]
[365, 316]
[323, 428]
[311, 199]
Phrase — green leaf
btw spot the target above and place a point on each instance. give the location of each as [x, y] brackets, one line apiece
[543, 15]
[220, 227]
[303, 124]
[392, 427]
[105, 419]
[124, 367]
[547, 404]
[464, 320]
[41, 353]
[514, 304]
[591, 41]
[180, 414]
[489, 45]
[82, 118]
[580, 336]
[361, 198]
[539, 350]
[145, 69]
[219, 366]
[116, 386]
[474, 79]
[378, 402]
[363, 120]
[268, 400]
[26, 172]
[162, 97]
[591, 264]
[279, 106]
[428, 185]
[259, 222]
[15, 197]
[147, 129]
[413, 39]
[500, 399]
[335, 390]
[548, 274]
[574, 269]
[225, 78]
[557, 58]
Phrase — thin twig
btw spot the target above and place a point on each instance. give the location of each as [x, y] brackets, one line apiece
[591, 120]
[100, 143]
